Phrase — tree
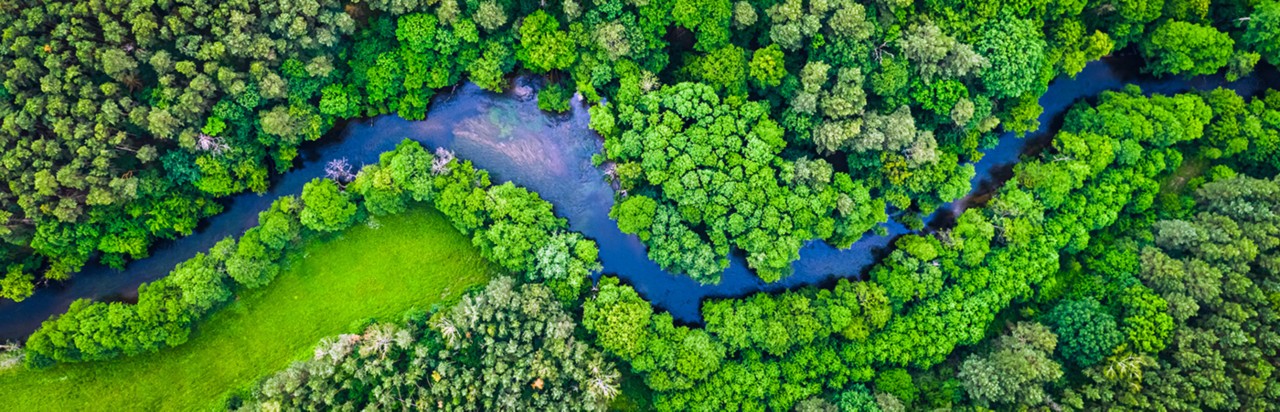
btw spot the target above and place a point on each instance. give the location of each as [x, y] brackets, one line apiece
[1015, 51]
[326, 208]
[1262, 32]
[1088, 334]
[16, 285]
[279, 224]
[382, 194]
[554, 98]
[635, 215]
[543, 46]
[937, 55]
[1015, 371]
[898, 383]
[619, 317]
[1177, 47]
[506, 346]
[725, 68]
[767, 67]
[490, 15]
[708, 19]
[566, 264]
[710, 165]
[253, 264]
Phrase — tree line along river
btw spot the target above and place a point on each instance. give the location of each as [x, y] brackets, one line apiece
[507, 135]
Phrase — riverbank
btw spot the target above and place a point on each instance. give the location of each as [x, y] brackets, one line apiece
[413, 259]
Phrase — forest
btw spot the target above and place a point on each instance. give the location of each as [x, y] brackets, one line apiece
[1128, 260]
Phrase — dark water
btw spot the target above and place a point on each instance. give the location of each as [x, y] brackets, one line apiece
[507, 135]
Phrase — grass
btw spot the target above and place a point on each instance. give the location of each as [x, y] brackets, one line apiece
[1171, 199]
[1191, 167]
[414, 259]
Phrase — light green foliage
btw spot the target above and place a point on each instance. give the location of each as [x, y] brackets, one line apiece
[326, 207]
[253, 264]
[696, 368]
[489, 70]
[1177, 47]
[162, 316]
[767, 67]
[382, 195]
[1015, 371]
[635, 215]
[795, 22]
[744, 14]
[543, 46]
[1263, 31]
[566, 264]
[554, 98]
[712, 163]
[1015, 52]
[914, 273]
[897, 382]
[1072, 47]
[708, 19]
[890, 81]
[1145, 319]
[792, 321]
[838, 105]
[490, 15]
[857, 399]
[725, 68]
[940, 96]
[620, 317]
[1241, 65]
[972, 237]
[16, 285]
[413, 169]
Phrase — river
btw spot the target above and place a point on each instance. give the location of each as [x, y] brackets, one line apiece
[507, 135]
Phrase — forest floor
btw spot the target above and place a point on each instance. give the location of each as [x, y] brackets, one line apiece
[1173, 186]
[330, 286]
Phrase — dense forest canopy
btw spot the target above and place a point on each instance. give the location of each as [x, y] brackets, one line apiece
[1131, 264]
[125, 121]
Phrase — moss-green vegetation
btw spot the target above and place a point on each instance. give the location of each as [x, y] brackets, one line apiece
[413, 259]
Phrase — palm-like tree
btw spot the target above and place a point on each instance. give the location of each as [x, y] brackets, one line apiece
[603, 383]
[380, 339]
[448, 330]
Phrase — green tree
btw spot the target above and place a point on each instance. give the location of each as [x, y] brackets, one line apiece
[898, 383]
[1016, 370]
[1177, 47]
[1088, 334]
[543, 46]
[1262, 32]
[16, 285]
[1015, 50]
[767, 67]
[326, 207]
[635, 215]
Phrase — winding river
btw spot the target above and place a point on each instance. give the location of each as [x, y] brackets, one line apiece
[507, 135]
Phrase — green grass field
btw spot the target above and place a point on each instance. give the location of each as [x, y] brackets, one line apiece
[414, 259]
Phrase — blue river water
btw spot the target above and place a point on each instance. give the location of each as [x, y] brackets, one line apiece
[507, 135]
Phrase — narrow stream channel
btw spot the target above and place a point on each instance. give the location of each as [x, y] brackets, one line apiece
[507, 135]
